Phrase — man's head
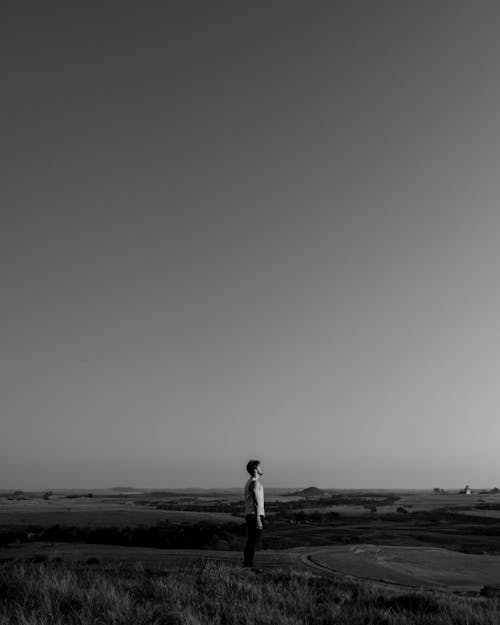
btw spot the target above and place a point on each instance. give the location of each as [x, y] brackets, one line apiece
[254, 468]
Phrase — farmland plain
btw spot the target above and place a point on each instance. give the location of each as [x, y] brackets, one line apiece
[426, 539]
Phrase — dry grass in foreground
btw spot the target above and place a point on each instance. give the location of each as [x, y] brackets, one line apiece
[57, 593]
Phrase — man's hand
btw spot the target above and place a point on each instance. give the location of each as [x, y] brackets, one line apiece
[259, 523]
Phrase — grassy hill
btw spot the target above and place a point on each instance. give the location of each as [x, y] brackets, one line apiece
[311, 491]
[217, 593]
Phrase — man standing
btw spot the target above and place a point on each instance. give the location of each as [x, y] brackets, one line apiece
[254, 511]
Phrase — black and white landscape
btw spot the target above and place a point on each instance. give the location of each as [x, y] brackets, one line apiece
[235, 230]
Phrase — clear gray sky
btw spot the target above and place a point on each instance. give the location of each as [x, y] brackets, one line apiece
[250, 229]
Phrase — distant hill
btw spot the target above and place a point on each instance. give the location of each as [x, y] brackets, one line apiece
[125, 489]
[312, 491]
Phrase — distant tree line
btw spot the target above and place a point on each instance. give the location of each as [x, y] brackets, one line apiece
[21, 495]
[282, 508]
[162, 536]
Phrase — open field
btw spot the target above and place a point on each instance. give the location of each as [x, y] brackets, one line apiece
[218, 593]
[156, 558]
[492, 514]
[428, 500]
[425, 539]
[424, 567]
[96, 511]
[395, 566]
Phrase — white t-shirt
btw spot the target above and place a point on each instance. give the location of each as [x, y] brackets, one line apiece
[249, 498]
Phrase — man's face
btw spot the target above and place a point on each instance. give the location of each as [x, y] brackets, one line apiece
[259, 470]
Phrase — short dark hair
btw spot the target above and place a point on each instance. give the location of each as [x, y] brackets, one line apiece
[252, 465]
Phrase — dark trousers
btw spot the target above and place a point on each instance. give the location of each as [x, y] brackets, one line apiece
[253, 537]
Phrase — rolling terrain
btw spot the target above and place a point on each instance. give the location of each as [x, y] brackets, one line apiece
[423, 539]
